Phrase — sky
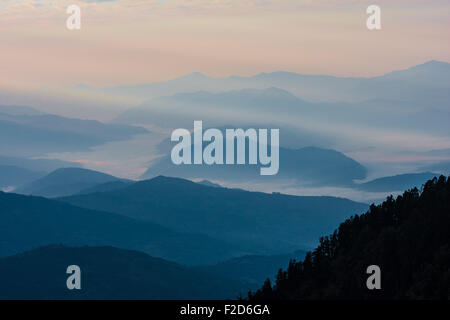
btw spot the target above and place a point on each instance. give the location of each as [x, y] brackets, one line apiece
[143, 41]
[127, 42]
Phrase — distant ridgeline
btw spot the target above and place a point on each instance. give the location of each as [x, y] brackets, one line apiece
[408, 238]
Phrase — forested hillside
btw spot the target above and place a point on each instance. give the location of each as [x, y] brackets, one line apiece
[407, 237]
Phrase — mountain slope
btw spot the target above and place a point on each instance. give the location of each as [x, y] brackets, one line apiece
[28, 222]
[306, 166]
[397, 183]
[27, 135]
[441, 167]
[408, 238]
[37, 165]
[269, 223]
[13, 176]
[106, 273]
[428, 72]
[20, 110]
[66, 181]
[209, 184]
[324, 107]
[183, 108]
[107, 186]
[253, 269]
[415, 83]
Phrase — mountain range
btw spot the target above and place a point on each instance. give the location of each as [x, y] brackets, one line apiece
[16, 172]
[305, 166]
[37, 164]
[166, 237]
[318, 121]
[265, 223]
[252, 270]
[67, 181]
[12, 176]
[160, 214]
[107, 273]
[28, 222]
[442, 167]
[406, 237]
[76, 181]
[113, 273]
[397, 183]
[427, 82]
[24, 133]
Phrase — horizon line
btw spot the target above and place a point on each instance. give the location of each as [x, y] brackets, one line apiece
[204, 75]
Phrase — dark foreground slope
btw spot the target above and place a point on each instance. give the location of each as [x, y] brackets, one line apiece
[106, 273]
[408, 238]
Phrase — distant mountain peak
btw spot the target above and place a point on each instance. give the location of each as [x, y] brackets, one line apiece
[76, 170]
[209, 184]
[431, 65]
[245, 93]
[435, 62]
[195, 75]
[65, 181]
[168, 180]
[275, 91]
[432, 70]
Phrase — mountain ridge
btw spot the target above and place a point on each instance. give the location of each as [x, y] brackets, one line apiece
[290, 73]
[27, 222]
[107, 273]
[232, 215]
[66, 181]
[310, 166]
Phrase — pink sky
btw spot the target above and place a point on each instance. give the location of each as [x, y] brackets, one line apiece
[137, 41]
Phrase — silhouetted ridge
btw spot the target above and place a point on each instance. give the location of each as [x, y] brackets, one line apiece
[408, 238]
[107, 273]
